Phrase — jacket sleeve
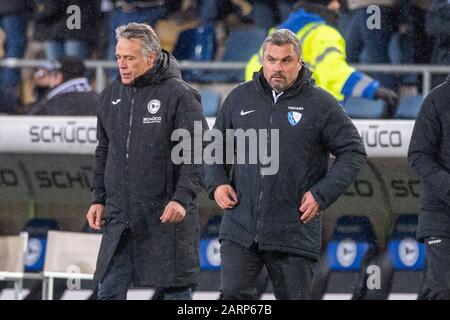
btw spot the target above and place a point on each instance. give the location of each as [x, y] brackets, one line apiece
[341, 138]
[189, 115]
[217, 173]
[423, 148]
[329, 54]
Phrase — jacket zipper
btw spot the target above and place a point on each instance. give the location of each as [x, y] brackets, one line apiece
[130, 217]
[258, 220]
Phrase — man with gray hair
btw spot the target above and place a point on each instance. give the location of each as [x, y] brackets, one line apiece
[144, 203]
[274, 220]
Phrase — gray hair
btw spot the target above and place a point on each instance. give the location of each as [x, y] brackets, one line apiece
[143, 32]
[284, 36]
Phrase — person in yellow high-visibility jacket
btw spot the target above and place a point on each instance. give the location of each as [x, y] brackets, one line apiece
[324, 53]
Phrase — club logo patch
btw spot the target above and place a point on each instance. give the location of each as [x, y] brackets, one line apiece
[294, 117]
[153, 106]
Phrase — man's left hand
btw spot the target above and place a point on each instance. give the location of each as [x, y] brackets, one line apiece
[309, 208]
[173, 212]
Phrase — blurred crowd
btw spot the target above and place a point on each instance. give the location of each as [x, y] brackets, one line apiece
[411, 32]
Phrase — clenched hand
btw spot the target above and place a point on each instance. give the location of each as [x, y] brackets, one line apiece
[225, 196]
[95, 215]
[173, 212]
[309, 208]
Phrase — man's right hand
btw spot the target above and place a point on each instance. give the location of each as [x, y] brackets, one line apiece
[225, 196]
[95, 215]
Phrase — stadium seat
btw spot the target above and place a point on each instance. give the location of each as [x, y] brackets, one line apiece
[210, 102]
[209, 281]
[409, 107]
[70, 255]
[401, 265]
[338, 273]
[12, 255]
[37, 241]
[407, 256]
[196, 44]
[240, 45]
[360, 108]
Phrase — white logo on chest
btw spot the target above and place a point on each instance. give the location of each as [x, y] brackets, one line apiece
[153, 106]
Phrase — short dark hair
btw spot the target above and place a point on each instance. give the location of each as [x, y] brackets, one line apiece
[284, 36]
[71, 68]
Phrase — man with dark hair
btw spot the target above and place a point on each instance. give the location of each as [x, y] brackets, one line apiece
[273, 219]
[144, 201]
[70, 93]
[429, 156]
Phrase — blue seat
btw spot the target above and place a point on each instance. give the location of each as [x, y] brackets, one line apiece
[360, 108]
[240, 45]
[210, 102]
[409, 107]
[198, 44]
[406, 258]
[37, 240]
[405, 252]
[344, 261]
[210, 246]
[353, 237]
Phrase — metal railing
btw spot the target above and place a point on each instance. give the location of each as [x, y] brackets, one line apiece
[101, 65]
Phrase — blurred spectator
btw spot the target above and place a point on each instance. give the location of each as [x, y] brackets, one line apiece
[45, 77]
[182, 16]
[52, 21]
[371, 45]
[226, 15]
[324, 53]
[70, 94]
[126, 11]
[438, 25]
[14, 15]
[410, 43]
[232, 13]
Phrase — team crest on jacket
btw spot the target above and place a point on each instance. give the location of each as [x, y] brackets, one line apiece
[153, 106]
[294, 117]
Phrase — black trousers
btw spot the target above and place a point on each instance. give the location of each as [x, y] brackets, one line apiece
[437, 270]
[291, 275]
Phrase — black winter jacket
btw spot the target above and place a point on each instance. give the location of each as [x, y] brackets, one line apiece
[429, 156]
[268, 209]
[135, 176]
